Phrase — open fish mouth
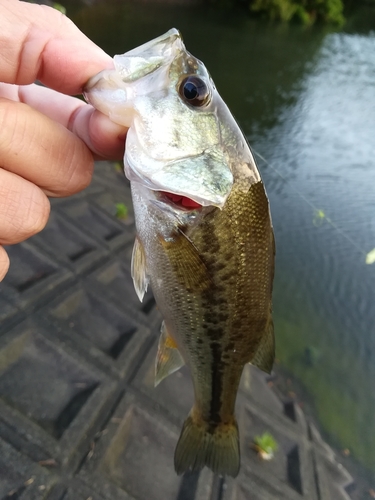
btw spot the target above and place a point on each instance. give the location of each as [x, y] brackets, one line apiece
[180, 201]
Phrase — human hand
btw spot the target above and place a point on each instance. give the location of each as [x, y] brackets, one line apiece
[48, 140]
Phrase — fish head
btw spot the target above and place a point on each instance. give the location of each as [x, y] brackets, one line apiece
[176, 118]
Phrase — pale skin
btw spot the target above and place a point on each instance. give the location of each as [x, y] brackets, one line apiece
[48, 139]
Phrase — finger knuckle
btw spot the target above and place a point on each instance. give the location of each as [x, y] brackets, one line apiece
[79, 165]
[8, 123]
[24, 212]
[37, 212]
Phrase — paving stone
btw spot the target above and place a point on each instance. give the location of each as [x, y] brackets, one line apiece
[114, 280]
[20, 478]
[32, 275]
[251, 487]
[255, 384]
[107, 201]
[64, 241]
[205, 487]
[285, 467]
[175, 393]
[50, 394]
[7, 311]
[332, 478]
[92, 221]
[112, 176]
[42, 383]
[115, 189]
[135, 455]
[76, 491]
[109, 335]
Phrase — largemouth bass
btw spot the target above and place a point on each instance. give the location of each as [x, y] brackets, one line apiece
[204, 235]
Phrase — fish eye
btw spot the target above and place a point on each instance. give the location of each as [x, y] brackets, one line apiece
[194, 91]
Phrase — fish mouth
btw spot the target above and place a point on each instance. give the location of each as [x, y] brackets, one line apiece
[179, 201]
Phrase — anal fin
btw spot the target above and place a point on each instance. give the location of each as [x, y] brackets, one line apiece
[265, 354]
[168, 358]
[138, 269]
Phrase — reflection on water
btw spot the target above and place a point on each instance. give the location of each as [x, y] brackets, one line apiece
[306, 101]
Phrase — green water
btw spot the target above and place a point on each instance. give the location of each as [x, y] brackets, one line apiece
[305, 98]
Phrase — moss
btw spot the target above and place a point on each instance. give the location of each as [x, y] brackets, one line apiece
[337, 381]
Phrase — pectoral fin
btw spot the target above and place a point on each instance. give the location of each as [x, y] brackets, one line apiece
[138, 269]
[187, 263]
[168, 358]
[265, 354]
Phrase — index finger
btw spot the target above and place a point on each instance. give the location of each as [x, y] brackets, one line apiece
[40, 43]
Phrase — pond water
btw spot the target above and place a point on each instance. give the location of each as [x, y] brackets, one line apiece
[305, 98]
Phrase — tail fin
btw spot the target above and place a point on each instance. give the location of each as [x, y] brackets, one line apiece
[201, 444]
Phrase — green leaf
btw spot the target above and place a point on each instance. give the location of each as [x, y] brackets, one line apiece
[266, 442]
[119, 167]
[121, 211]
[370, 257]
[59, 7]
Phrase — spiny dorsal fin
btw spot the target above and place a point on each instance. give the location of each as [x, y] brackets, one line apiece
[265, 354]
[138, 269]
[168, 358]
[187, 263]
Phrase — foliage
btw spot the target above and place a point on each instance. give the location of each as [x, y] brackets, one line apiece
[119, 167]
[282, 10]
[267, 443]
[121, 211]
[59, 7]
[305, 11]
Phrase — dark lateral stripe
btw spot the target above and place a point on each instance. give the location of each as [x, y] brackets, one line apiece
[213, 300]
[216, 384]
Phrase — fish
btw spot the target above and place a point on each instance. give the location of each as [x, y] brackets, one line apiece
[204, 236]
